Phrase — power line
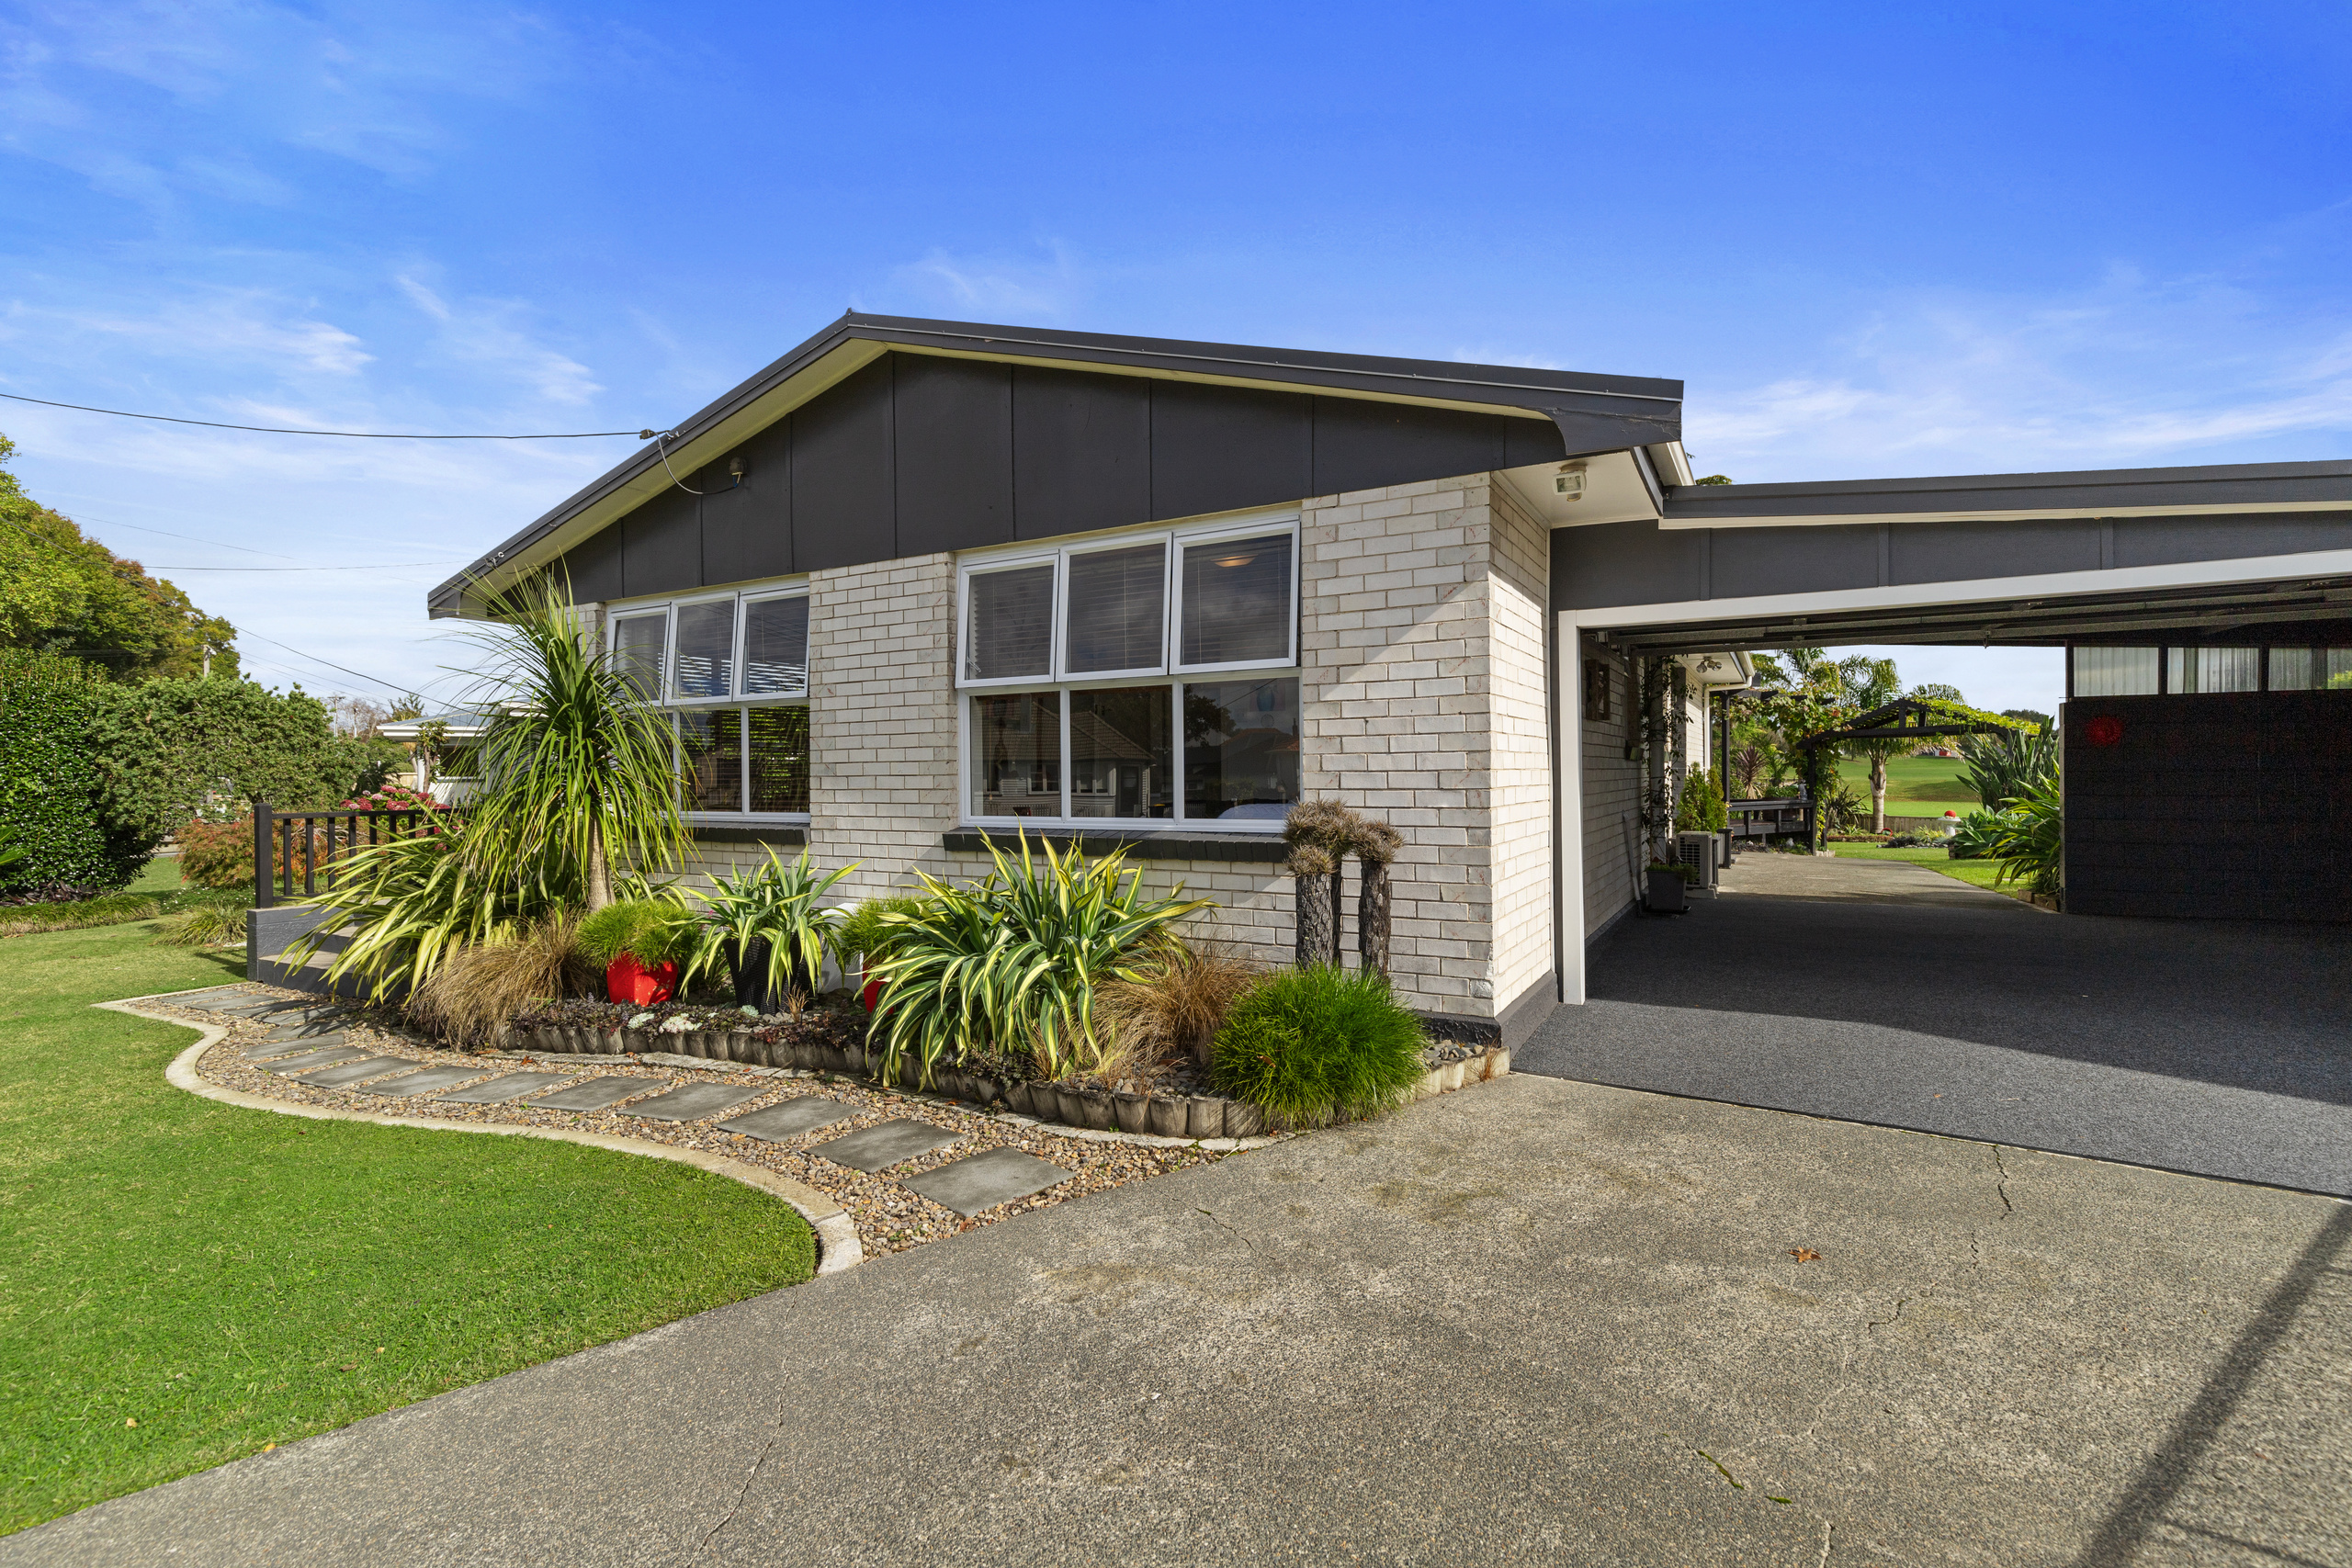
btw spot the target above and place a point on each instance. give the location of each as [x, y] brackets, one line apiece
[389, 565]
[328, 663]
[354, 434]
[191, 538]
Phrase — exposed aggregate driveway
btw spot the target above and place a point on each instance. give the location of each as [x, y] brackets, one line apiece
[1536, 1321]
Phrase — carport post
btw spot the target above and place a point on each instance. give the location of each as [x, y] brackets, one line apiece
[1567, 805]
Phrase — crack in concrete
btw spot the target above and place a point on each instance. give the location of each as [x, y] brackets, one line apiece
[1900, 1303]
[1237, 1236]
[737, 1506]
[2001, 1186]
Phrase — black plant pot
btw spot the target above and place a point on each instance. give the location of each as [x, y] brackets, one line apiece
[748, 962]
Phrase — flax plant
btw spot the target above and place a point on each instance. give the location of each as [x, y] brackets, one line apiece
[1012, 962]
[776, 905]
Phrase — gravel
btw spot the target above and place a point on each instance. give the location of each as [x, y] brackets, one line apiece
[889, 1217]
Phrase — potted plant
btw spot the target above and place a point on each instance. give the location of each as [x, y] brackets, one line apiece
[643, 944]
[768, 926]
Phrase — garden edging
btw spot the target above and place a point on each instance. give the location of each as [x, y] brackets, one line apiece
[837, 1249]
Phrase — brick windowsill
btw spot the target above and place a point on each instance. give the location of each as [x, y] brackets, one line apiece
[1261, 849]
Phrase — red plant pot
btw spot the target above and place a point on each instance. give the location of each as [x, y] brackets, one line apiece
[872, 995]
[627, 980]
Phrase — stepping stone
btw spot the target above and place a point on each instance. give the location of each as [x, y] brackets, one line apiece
[304, 1060]
[425, 1082]
[352, 1072]
[693, 1101]
[875, 1148]
[278, 1049]
[596, 1094]
[220, 999]
[779, 1123]
[513, 1086]
[324, 1022]
[1000, 1175]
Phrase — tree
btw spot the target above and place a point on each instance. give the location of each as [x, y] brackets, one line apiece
[2028, 716]
[1713, 479]
[60, 593]
[1806, 696]
[1865, 683]
[1936, 692]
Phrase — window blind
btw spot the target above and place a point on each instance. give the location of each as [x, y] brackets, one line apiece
[775, 647]
[1118, 614]
[1236, 601]
[1009, 624]
[637, 650]
[705, 651]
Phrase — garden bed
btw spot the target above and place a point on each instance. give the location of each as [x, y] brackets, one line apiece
[1174, 1103]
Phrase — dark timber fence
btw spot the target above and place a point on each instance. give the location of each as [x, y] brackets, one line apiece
[313, 845]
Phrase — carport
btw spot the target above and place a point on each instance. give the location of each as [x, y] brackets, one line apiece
[2195, 1024]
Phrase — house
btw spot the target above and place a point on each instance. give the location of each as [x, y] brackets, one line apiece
[921, 583]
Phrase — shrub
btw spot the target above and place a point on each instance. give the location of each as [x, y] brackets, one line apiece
[50, 782]
[1177, 1002]
[108, 909]
[1010, 963]
[1978, 832]
[2033, 840]
[476, 989]
[1702, 808]
[1311, 1045]
[203, 925]
[2009, 765]
[776, 904]
[867, 931]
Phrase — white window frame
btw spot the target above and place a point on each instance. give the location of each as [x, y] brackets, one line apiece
[1171, 674]
[736, 701]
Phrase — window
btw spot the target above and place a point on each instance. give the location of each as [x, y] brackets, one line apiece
[2212, 669]
[735, 670]
[1156, 679]
[2114, 671]
[2311, 669]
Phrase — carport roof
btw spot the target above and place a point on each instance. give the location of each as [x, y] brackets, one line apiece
[2214, 488]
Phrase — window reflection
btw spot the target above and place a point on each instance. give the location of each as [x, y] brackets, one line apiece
[1240, 748]
[1122, 753]
[1017, 755]
[710, 757]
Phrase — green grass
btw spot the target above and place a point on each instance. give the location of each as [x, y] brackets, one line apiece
[162, 875]
[1975, 873]
[1918, 786]
[224, 1277]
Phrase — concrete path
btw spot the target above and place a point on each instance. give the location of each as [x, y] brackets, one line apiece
[1537, 1322]
[1877, 991]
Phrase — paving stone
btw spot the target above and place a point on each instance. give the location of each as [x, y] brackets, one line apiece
[304, 1060]
[596, 1094]
[276, 1050]
[694, 1102]
[220, 998]
[513, 1086]
[425, 1082]
[1000, 1175]
[324, 1023]
[874, 1148]
[778, 1123]
[352, 1072]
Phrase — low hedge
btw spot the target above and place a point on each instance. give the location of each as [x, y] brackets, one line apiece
[1318, 1045]
[110, 909]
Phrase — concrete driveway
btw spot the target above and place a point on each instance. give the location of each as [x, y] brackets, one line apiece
[1537, 1322]
[1881, 992]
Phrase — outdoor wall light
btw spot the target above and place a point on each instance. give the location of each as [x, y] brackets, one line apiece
[737, 467]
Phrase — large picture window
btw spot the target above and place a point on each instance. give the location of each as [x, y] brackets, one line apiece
[734, 670]
[1152, 678]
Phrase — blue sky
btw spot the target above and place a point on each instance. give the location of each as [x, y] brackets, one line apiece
[1872, 240]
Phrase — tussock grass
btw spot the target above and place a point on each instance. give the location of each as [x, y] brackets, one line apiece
[1314, 1046]
[203, 925]
[1175, 1004]
[470, 998]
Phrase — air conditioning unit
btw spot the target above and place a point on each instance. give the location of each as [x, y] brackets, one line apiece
[1697, 851]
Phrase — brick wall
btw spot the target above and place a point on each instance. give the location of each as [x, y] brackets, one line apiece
[1519, 590]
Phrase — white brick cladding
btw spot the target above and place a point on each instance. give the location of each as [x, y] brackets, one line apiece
[1422, 654]
[1611, 798]
[1422, 640]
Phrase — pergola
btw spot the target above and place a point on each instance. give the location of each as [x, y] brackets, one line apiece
[1916, 718]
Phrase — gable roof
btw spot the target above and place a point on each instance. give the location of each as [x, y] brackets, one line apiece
[1591, 414]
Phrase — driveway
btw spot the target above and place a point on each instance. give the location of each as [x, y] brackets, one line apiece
[1535, 1322]
[1881, 992]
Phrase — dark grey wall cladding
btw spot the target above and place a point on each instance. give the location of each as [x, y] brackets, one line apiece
[2229, 806]
[917, 454]
[1641, 563]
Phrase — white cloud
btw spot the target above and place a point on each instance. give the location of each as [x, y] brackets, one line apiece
[2127, 372]
[483, 333]
[246, 327]
[1020, 289]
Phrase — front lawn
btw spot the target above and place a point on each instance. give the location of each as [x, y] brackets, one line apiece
[1918, 786]
[1975, 873]
[184, 1283]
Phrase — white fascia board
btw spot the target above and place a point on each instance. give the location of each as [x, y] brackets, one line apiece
[1929, 595]
[1985, 515]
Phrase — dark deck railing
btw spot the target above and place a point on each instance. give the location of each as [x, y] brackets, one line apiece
[320, 841]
